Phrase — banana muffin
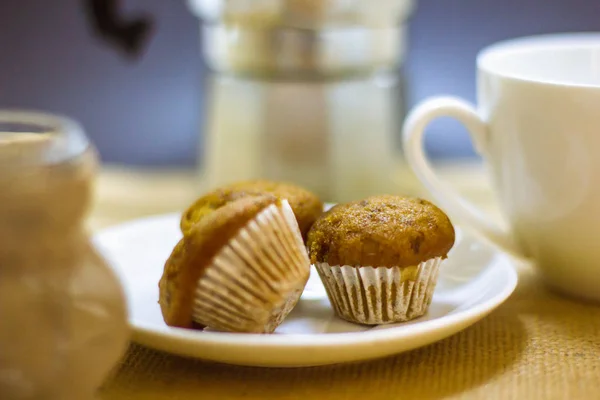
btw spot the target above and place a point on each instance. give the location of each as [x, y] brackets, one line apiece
[241, 268]
[379, 257]
[307, 206]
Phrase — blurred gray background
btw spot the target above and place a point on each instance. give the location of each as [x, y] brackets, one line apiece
[148, 111]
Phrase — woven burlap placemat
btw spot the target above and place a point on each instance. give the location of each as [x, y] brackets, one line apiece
[537, 345]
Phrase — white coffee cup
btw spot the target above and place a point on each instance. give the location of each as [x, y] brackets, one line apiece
[537, 127]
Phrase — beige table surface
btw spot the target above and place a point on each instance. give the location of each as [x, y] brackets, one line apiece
[537, 345]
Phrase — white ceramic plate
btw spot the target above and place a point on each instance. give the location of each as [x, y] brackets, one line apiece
[474, 280]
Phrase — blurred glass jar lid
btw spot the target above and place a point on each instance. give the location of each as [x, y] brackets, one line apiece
[296, 37]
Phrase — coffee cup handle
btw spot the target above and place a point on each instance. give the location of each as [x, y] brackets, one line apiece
[454, 204]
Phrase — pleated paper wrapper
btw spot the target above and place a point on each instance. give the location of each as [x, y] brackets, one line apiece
[257, 278]
[380, 295]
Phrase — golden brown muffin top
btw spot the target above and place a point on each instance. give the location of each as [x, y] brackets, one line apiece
[307, 206]
[196, 250]
[381, 231]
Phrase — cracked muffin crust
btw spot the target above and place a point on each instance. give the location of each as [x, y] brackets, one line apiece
[381, 231]
[307, 206]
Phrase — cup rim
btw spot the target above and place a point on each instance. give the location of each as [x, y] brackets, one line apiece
[528, 43]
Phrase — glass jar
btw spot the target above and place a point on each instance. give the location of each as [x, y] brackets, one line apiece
[62, 310]
[306, 91]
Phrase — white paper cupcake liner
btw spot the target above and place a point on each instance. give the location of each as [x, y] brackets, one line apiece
[257, 278]
[380, 295]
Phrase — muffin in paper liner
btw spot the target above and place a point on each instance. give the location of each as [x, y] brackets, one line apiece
[379, 257]
[380, 295]
[257, 278]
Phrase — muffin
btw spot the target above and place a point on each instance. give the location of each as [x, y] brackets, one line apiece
[307, 206]
[379, 258]
[241, 268]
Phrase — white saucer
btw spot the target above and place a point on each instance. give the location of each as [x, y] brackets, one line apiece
[474, 280]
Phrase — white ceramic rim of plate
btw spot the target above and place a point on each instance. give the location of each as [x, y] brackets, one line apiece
[142, 333]
[288, 340]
